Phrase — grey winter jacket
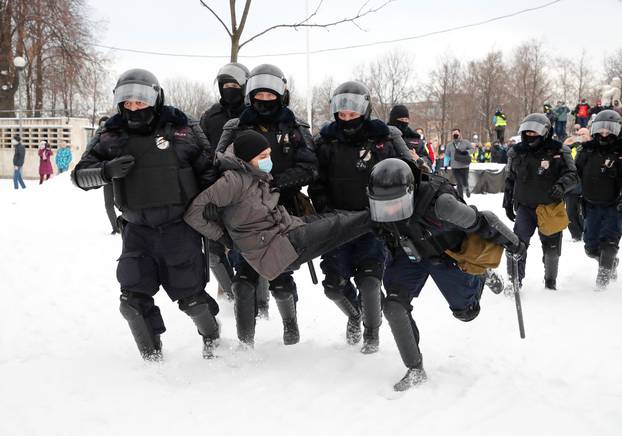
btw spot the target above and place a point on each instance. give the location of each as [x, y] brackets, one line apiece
[462, 145]
[20, 155]
[250, 214]
[562, 113]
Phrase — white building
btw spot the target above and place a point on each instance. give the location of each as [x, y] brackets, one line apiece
[74, 131]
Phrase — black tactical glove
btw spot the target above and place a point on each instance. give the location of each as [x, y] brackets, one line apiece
[119, 167]
[518, 251]
[556, 193]
[210, 212]
[509, 212]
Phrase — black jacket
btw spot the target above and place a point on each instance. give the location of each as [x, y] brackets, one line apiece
[20, 155]
[414, 142]
[498, 154]
[600, 171]
[532, 172]
[441, 221]
[293, 157]
[345, 165]
[184, 136]
[214, 119]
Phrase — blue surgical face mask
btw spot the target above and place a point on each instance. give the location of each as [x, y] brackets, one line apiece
[265, 165]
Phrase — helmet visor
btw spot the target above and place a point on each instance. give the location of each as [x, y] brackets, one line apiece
[349, 102]
[232, 72]
[266, 81]
[611, 127]
[136, 92]
[387, 211]
[533, 126]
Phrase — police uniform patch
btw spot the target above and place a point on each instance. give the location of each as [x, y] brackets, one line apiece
[162, 143]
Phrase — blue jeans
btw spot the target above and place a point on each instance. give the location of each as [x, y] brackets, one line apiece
[17, 178]
[407, 278]
[602, 223]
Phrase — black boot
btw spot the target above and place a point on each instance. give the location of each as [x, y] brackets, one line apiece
[148, 343]
[287, 309]
[406, 337]
[244, 309]
[198, 310]
[353, 327]
[263, 298]
[369, 288]
[551, 263]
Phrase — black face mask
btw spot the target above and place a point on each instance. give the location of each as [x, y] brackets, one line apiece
[401, 125]
[607, 141]
[351, 127]
[456, 136]
[531, 141]
[232, 96]
[140, 120]
[267, 108]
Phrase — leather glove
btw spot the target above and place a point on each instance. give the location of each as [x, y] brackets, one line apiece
[518, 251]
[119, 167]
[556, 193]
[210, 212]
[509, 212]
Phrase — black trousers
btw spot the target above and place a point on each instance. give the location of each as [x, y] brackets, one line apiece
[326, 232]
[462, 180]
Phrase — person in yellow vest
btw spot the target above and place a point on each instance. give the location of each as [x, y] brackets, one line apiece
[500, 121]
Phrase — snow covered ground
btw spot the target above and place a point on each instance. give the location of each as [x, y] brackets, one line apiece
[68, 365]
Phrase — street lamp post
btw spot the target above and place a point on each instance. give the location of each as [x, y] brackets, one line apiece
[20, 64]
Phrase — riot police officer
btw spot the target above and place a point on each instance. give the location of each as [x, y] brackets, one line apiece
[400, 117]
[231, 79]
[156, 160]
[430, 231]
[599, 164]
[294, 166]
[347, 149]
[540, 172]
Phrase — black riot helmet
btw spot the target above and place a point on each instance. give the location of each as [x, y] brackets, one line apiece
[139, 85]
[267, 78]
[233, 72]
[351, 96]
[390, 191]
[538, 123]
[606, 127]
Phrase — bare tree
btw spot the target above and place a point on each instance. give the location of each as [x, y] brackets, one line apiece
[529, 77]
[390, 80]
[583, 76]
[236, 28]
[442, 89]
[191, 97]
[613, 65]
[322, 94]
[565, 88]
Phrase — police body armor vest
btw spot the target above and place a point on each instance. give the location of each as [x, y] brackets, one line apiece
[536, 173]
[156, 179]
[600, 182]
[349, 168]
[423, 228]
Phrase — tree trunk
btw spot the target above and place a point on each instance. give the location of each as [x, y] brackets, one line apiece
[235, 47]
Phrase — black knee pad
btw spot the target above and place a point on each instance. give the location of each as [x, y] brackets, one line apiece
[399, 296]
[594, 253]
[552, 245]
[134, 305]
[467, 314]
[202, 297]
[369, 269]
[245, 272]
[282, 287]
[334, 286]
[608, 244]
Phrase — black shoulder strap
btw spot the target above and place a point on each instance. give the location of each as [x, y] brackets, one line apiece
[429, 189]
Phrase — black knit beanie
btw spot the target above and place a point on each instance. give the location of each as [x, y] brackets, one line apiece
[398, 111]
[248, 144]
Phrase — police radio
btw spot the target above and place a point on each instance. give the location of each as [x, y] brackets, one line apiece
[410, 249]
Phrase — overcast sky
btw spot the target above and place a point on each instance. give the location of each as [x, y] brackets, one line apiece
[184, 26]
